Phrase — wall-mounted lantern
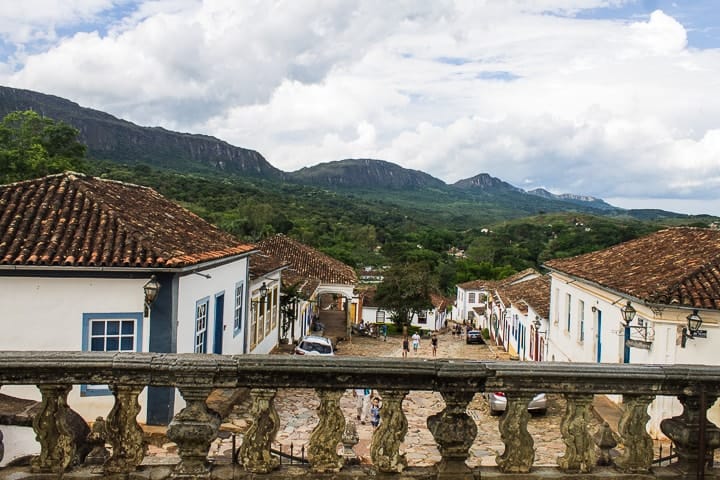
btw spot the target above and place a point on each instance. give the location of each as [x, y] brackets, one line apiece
[263, 290]
[151, 288]
[692, 331]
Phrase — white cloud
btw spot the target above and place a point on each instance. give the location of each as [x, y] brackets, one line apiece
[522, 90]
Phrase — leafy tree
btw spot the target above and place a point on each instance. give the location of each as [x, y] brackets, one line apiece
[405, 290]
[33, 146]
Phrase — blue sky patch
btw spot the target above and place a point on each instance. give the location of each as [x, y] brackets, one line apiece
[500, 75]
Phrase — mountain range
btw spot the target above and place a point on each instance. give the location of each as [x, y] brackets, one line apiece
[120, 141]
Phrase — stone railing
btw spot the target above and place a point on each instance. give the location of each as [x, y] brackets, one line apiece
[195, 426]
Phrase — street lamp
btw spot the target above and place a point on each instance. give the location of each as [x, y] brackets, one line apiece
[692, 331]
[151, 288]
[263, 295]
[628, 314]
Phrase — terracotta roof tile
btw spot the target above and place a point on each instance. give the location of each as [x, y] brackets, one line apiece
[676, 266]
[306, 262]
[534, 292]
[74, 220]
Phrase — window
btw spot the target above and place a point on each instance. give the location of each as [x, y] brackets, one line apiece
[581, 321]
[201, 325]
[238, 313]
[422, 317]
[471, 297]
[110, 332]
[568, 306]
[556, 310]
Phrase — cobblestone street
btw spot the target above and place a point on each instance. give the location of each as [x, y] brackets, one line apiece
[297, 409]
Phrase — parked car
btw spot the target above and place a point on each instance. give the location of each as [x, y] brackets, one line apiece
[314, 345]
[474, 336]
[498, 403]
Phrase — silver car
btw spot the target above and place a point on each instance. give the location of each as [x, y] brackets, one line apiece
[498, 403]
[314, 345]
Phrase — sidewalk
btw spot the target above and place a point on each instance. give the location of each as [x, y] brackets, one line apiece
[607, 411]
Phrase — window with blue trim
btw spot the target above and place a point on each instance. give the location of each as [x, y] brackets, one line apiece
[202, 309]
[110, 332]
[239, 301]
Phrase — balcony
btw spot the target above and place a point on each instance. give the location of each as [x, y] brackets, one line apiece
[195, 427]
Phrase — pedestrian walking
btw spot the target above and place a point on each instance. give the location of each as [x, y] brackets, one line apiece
[406, 346]
[434, 343]
[384, 332]
[375, 412]
[416, 342]
[362, 403]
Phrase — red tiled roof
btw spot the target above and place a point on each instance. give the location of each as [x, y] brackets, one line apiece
[75, 220]
[676, 266]
[534, 292]
[306, 262]
[491, 284]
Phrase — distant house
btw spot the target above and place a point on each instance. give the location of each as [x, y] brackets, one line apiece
[431, 319]
[528, 304]
[664, 278]
[325, 287]
[77, 254]
[264, 313]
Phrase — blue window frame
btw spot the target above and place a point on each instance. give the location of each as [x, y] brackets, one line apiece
[110, 332]
[202, 313]
[239, 303]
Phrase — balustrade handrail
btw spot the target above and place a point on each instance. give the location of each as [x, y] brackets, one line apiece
[274, 371]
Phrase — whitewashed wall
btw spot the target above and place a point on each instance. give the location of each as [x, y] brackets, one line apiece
[19, 442]
[664, 332]
[43, 313]
[192, 288]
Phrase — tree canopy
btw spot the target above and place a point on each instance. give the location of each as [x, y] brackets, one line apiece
[405, 290]
[33, 146]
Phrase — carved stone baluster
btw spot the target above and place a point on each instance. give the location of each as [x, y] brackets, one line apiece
[255, 450]
[638, 447]
[123, 431]
[322, 449]
[57, 447]
[454, 432]
[579, 446]
[193, 429]
[386, 440]
[519, 453]
[684, 430]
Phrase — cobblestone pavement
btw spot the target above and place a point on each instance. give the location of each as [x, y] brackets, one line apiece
[297, 410]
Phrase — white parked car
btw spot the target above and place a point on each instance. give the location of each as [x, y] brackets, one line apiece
[498, 403]
[314, 345]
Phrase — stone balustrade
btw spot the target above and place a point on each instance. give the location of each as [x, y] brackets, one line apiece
[195, 426]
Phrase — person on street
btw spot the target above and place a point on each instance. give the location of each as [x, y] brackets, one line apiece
[406, 346]
[384, 333]
[375, 413]
[434, 343]
[362, 403]
[416, 342]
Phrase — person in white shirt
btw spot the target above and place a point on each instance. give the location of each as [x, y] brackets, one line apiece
[416, 341]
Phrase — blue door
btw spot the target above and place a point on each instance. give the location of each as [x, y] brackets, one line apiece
[626, 349]
[218, 337]
[599, 337]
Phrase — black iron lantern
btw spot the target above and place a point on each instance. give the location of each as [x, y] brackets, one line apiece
[263, 291]
[628, 313]
[694, 322]
[151, 288]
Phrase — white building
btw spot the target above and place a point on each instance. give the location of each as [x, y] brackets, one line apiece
[77, 254]
[665, 277]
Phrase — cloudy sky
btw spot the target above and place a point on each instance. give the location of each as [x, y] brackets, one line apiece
[619, 99]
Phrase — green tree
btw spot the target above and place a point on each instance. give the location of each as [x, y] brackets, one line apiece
[405, 290]
[33, 146]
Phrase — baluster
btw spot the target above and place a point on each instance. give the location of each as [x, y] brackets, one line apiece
[255, 449]
[579, 454]
[123, 431]
[637, 453]
[684, 431]
[324, 439]
[387, 438]
[519, 453]
[57, 446]
[454, 432]
[193, 429]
